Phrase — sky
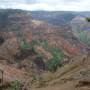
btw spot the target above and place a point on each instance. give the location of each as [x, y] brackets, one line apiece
[47, 5]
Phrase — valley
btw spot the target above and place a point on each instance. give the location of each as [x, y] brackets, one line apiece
[41, 50]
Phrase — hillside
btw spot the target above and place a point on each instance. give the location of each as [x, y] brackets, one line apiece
[58, 18]
[81, 29]
[55, 18]
[38, 53]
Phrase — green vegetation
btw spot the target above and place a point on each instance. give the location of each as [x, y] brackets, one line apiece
[24, 45]
[84, 34]
[84, 37]
[54, 62]
[13, 84]
[58, 55]
[88, 19]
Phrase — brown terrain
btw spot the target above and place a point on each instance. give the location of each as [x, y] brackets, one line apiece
[73, 75]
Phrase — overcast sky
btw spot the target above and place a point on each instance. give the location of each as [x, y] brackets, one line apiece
[50, 5]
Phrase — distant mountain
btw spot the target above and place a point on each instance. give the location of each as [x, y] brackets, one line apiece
[85, 14]
[4, 16]
[57, 17]
[81, 29]
[14, 22]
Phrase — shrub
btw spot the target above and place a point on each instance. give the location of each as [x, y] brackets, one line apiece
[1, 40]
[55, 62]
[5, 85]
[88, 19]
[15, 84]
[58, 56]
[84, 37]
[24, 45]
[12, 84]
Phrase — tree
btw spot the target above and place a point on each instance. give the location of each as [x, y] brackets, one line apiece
[1, 40]
[88, 19]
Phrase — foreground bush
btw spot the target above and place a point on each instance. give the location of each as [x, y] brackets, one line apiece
[88, 19]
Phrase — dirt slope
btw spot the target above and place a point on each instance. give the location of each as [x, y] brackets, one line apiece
[11, 73]
[75, 76]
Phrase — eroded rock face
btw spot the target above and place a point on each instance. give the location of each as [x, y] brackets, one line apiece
[61, 37]
[8, 49]
[12, 74]
[20, 25]
[18, 28]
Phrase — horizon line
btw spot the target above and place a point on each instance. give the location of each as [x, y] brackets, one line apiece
[42, 10]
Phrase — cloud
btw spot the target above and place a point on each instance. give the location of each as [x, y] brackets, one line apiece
[50, 5]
